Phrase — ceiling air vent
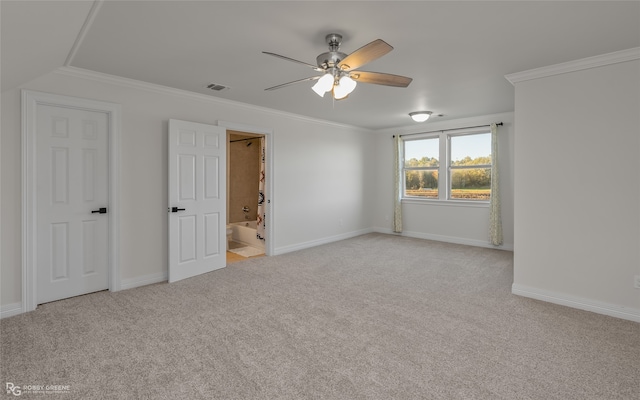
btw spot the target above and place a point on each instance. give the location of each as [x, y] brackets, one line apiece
[217, 87]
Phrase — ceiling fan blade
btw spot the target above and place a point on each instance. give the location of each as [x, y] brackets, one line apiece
[380, 78]
[313, 78]
[315, 67]
[365, 54]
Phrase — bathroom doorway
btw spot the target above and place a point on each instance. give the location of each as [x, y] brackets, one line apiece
[245, 195]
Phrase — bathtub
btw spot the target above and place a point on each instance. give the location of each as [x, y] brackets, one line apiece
[245, 233]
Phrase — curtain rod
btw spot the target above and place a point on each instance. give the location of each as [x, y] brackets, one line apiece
[240, 140]
[446, 130]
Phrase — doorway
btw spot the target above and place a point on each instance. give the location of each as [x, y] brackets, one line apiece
[245, 192]
[252, 134]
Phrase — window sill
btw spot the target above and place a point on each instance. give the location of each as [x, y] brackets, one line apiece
[447, 203]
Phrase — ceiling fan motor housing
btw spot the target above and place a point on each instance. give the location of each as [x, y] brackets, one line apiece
[331, 58]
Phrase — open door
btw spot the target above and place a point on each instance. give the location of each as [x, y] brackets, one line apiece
[197, 199]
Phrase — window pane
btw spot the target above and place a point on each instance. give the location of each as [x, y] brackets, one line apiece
[471, 183]
[471, 149]
[421, 153]
[421, 184]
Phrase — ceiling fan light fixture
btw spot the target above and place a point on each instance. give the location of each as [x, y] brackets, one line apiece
[344, 87]
[324, 84]
[420, 116]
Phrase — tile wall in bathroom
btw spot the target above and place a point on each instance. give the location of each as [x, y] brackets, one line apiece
[243, 177]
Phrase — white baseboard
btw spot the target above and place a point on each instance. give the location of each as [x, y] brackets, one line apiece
[562, 299]
[448, 239]
[319, 242]
[143, 280]
[9, 310]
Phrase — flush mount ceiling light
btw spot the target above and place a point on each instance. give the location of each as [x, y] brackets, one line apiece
[420, 116]
[339, 69]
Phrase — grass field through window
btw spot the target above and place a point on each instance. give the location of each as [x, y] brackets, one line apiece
[458, 194]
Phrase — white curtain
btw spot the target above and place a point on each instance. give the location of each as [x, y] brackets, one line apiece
[261, 206]
[398, 161]
[495, 219]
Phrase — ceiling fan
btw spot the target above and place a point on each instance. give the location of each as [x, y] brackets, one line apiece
[339, 70]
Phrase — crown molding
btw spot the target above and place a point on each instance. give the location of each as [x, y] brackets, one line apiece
[165, 90]
[577, 65]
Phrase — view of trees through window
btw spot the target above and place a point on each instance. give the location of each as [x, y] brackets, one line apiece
[422, 182]
[421, 167]
[469, 167]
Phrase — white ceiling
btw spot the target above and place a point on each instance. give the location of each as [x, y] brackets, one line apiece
[456, 52]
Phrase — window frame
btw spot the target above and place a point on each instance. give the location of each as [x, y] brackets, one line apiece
[444, 168]
[405, 169]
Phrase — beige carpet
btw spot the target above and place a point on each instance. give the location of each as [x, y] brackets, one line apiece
[373, 317]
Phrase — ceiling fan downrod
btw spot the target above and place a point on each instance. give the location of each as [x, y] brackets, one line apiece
[334, 40]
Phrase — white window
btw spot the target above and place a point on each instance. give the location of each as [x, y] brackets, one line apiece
[448, 166]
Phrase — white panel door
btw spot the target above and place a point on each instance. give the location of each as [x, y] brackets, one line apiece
[72, 193]
[197, 199]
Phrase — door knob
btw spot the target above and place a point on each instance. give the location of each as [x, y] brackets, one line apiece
[102, 210]
[176, 209]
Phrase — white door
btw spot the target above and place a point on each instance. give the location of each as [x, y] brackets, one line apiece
[197, 199]
[72, 193]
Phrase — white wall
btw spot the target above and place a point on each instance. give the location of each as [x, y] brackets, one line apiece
[321, 173]
[577, 163]
[446, 221]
